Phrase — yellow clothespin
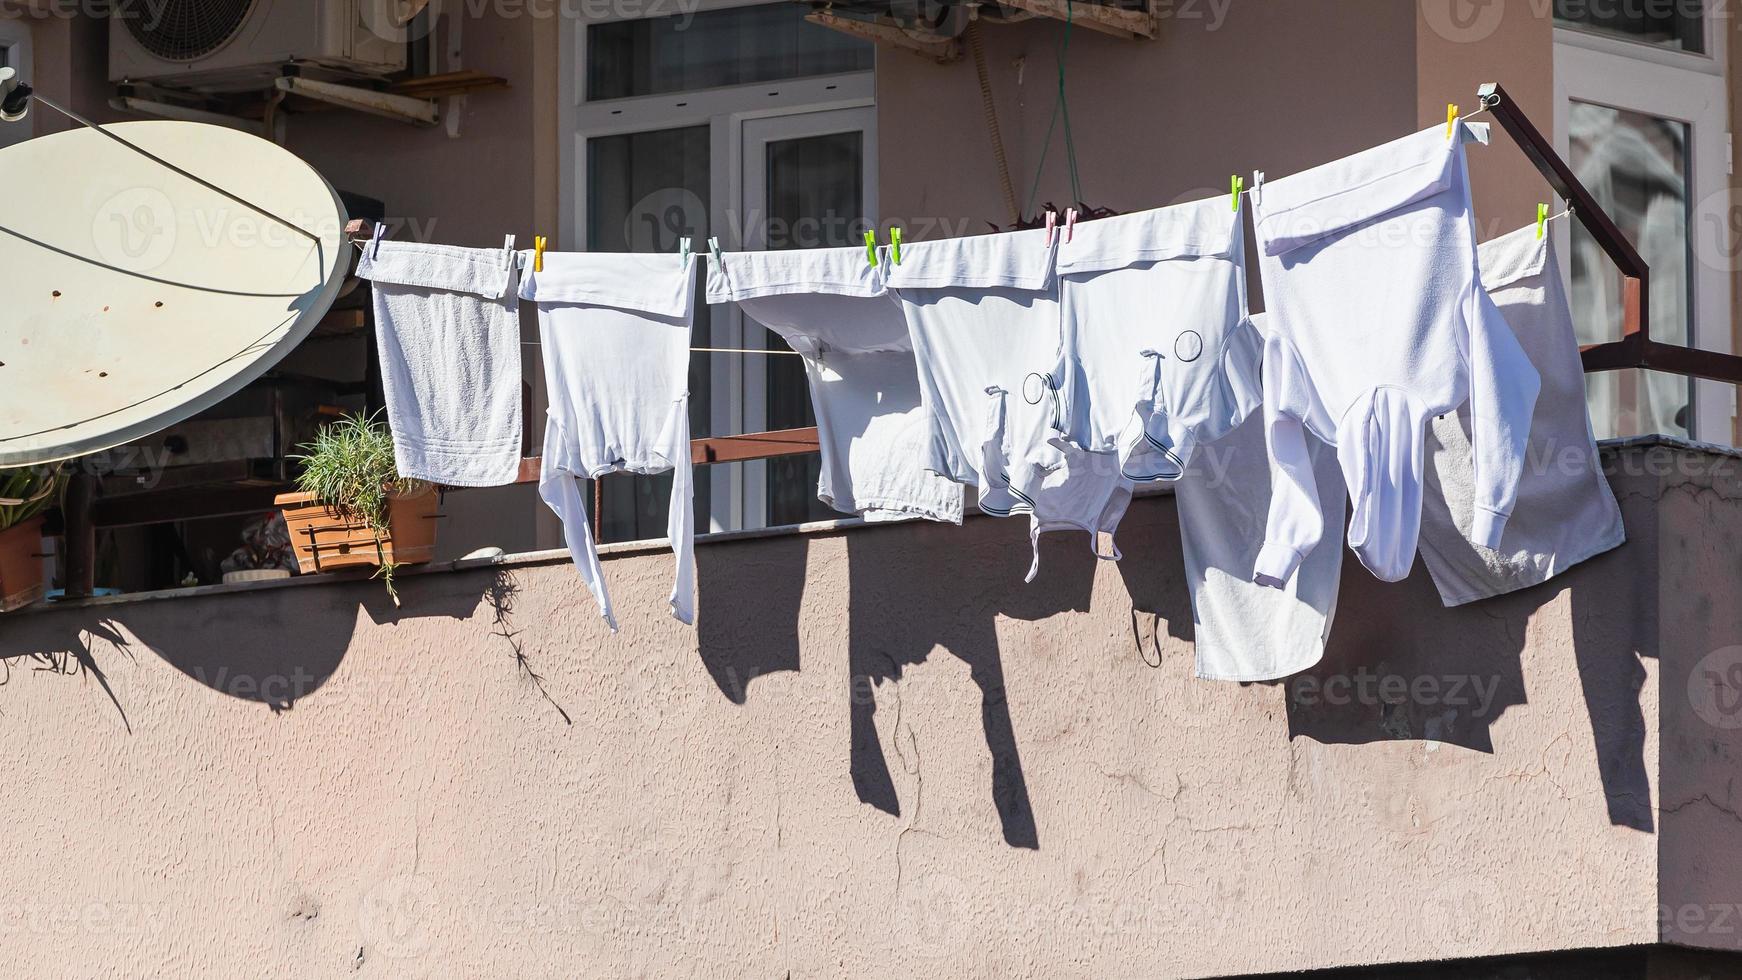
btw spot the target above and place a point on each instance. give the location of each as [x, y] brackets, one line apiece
[1541, 220]
[1451, 118]
[871, 247]
[895, 245]
[1236, 184]
[538, 244]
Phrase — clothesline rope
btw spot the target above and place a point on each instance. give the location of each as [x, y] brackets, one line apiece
[705, 350]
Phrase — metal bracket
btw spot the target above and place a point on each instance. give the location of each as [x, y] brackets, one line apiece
[402, 108]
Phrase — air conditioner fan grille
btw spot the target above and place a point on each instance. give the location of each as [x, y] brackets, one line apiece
[185, 30]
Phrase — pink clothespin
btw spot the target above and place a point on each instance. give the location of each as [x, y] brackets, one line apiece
[1052, 219]
[1070, 224]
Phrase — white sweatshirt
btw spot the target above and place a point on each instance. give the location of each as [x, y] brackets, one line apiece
[1379, 323]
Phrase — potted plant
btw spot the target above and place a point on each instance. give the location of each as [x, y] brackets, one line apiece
[24, 495]
[354, 508]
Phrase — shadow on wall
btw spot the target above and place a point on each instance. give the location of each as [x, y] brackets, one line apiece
[739, 641]
[280, 645]
[70, 652]
[1400, 666]
[896, 621]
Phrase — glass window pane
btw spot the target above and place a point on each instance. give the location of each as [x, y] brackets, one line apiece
[645, 191]
[1676, 24]
[714, 48]
[815, 199]
[1636, 166]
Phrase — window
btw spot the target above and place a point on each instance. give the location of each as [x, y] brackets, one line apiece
[1642, 118]
[1676, 24]
[715, 48]
[742, 122]
[15, 54]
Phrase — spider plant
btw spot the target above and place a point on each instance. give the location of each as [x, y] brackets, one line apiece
[349, 467]
[27, 492]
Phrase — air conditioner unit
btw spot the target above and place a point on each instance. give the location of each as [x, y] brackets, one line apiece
[239, 45]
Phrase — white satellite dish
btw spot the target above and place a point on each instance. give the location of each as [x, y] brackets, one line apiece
[137, 292]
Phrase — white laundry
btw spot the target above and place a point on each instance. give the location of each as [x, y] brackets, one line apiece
[447, 326]
[830, 305]
[616, 335]
[1378, 323]
[984, 316]
[1246, 631]
[1565, 511]
[1155, 358]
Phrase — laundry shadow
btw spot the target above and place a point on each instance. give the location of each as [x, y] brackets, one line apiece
[1401, 666]
[747, 615]
[1615, 627]
[1162, 626]
[922, 587]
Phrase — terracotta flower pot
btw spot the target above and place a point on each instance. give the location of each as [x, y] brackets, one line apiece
[325, 540]
[21, 564]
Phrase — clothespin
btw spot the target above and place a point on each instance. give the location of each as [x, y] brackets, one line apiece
[508, 248]
[1451, 118]
[895, 245]
[1541, 220]
[871, 248]
[1257, 184]
[538, 244]
[1235, 185]
[683, 251]
[1070, 223]
[376, 234]
[714, 249]
[1052, 219]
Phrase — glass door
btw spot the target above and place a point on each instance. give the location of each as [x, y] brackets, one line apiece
[807, 182]
[1642, 116]
[714, 122]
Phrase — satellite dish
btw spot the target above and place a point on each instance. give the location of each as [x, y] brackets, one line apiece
[139, 291]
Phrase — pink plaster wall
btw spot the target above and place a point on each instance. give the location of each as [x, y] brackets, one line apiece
[879, 754]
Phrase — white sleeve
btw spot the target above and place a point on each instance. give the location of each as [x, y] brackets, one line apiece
[1295, 523]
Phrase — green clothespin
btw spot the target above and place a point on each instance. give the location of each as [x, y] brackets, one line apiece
[895, 245]
[1541, 220]
[871, 247]
[683, 251]
[1235, 184]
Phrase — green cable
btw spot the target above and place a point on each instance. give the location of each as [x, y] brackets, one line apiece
[1061, 106]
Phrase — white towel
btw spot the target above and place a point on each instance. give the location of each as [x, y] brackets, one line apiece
[447, 325]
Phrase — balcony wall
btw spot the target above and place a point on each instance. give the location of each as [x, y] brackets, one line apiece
[879, 754]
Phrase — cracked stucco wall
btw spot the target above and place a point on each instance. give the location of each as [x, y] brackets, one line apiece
[879, 754]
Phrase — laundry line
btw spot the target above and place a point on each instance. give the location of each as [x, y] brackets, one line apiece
[705, 350]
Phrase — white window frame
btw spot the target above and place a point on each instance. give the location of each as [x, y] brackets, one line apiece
[737, 491]
[1692, 89]
[15, 39]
